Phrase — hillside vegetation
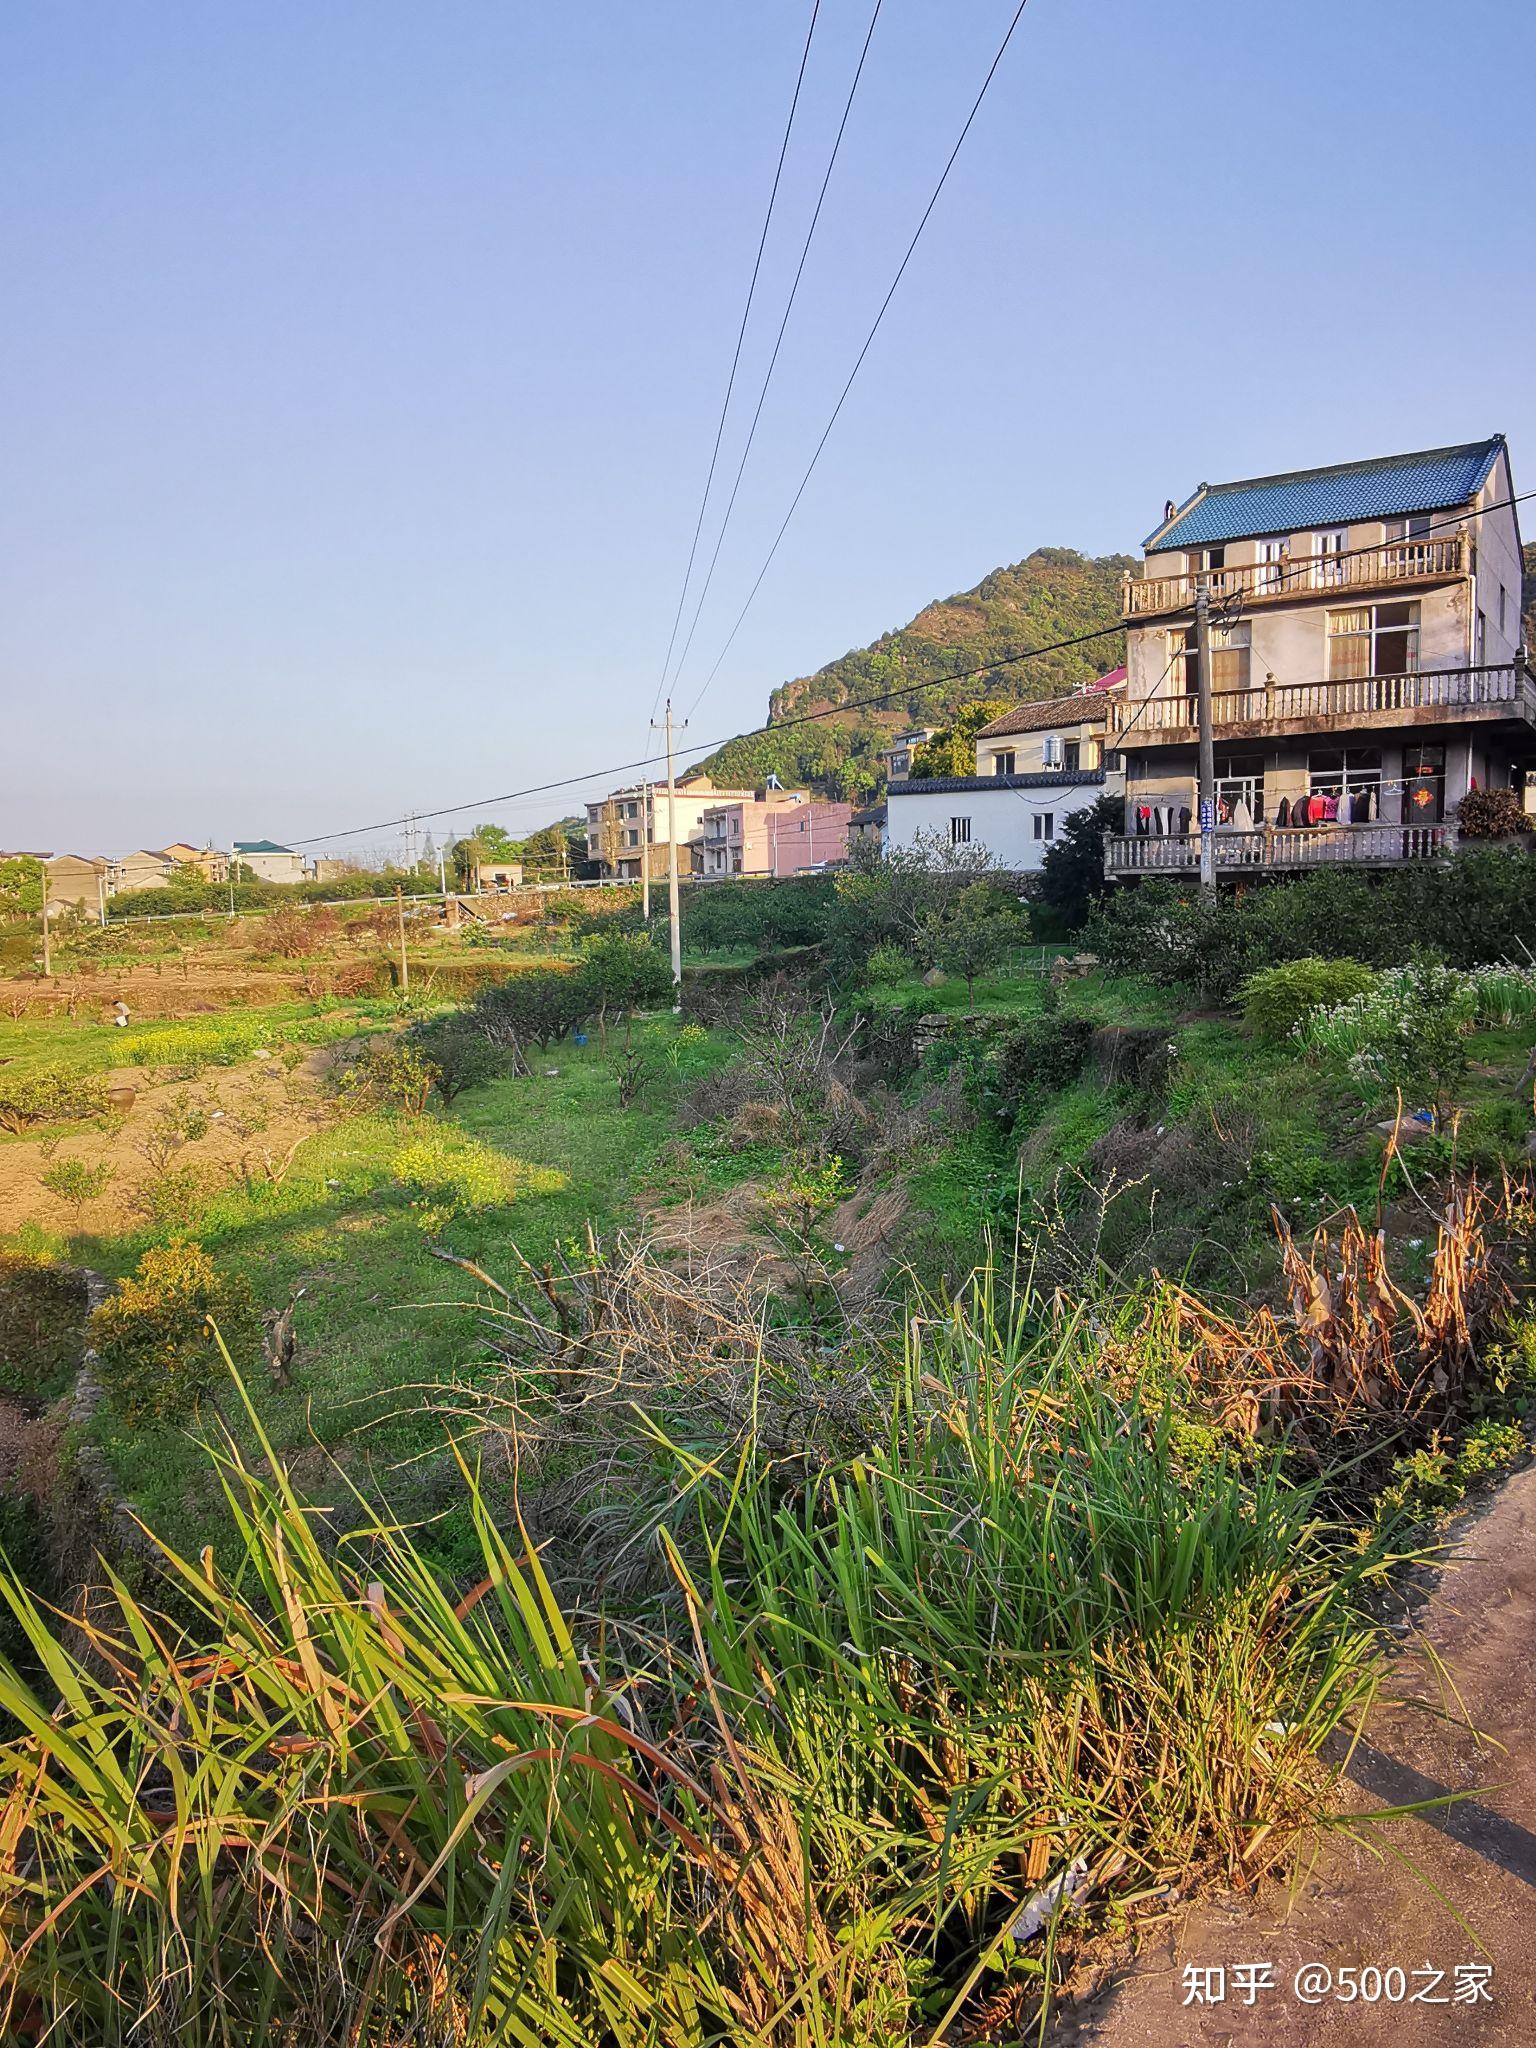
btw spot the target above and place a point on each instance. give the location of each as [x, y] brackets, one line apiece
[1049, 596]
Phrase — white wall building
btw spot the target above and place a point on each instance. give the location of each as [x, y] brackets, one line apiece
[1035, 766]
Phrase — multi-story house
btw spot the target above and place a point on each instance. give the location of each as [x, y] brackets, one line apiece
[1035, 766]
[620, 825]
[1367, 669]
[772, 832]
[898, 755]
[268, 861]
[210, 864]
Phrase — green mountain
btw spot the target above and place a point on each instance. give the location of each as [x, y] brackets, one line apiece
[1049, 596]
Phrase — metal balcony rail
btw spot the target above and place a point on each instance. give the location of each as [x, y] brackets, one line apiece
[1291, 576]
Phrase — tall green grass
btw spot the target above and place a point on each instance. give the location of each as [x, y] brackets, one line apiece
[1038, 1623]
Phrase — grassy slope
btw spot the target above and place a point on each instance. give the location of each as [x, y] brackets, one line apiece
[380, 1315]
[1314, 1145]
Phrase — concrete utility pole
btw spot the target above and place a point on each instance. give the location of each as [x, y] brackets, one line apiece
[101, 894]
[645, 851]
[405, 965]
[1207, 801]
[673, 912]
[47, 947]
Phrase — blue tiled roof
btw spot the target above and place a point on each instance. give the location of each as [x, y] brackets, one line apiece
[1384, 489]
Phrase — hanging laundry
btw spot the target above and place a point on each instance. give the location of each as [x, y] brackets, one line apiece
[1242, 816]
[1185, 819]
[1283, 815]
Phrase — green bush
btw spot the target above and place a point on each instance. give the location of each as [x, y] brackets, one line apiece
[537, 1007]
[49, 1095]
[1277, 998]
[888, 967]
[1072, 878]
[389, 1073]
[460, 1057]
[1038, 1058]
[1477, 908]
[155, 1350]
[42, 1316]
[624, 971]
[1429, 1484]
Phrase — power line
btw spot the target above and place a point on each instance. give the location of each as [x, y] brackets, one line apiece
[710, 746]
[863, 352]
[789, 304]
[885, 697]
[741, 335]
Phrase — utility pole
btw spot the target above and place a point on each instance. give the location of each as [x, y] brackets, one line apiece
[1207, 798]
[645, 851]
[673, 912]
[101, 894]
[47, 946]
[405, 965]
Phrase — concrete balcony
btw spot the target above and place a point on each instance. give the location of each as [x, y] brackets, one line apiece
[1450, 696]
[1394, 565]
[1269, 849]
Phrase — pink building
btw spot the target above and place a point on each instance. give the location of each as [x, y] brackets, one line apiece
[807, 836]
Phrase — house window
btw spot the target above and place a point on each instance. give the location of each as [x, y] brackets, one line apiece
[1045, 824]
[1072, 756]
[1240, 790]
[1273, 556]
[1230, 647]
[1346, 773]
[959, 831]
[1113, 761]
[1373, 640]
[1050, 750]
[1328, 551]
[1416, 527]
[1005, 763]
[1503, 628]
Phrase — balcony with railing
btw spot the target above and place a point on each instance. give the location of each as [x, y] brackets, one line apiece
[1270, 849]
[1417, 697]
[1391, 566]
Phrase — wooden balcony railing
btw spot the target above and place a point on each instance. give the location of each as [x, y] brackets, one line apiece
[1293, 576]
[1277, 848]
[1270, 702]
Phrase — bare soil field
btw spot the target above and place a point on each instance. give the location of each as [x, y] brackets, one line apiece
[256, 1113]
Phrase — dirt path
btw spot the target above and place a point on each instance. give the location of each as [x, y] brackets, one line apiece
[1357, 1909]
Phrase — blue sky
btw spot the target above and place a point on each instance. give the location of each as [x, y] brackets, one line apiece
[361, 359]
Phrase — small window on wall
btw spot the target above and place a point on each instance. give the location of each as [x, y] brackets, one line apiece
[959, 831]
[1072, 756]
[1004, 764]
[1045, 824]
[1416, 527]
